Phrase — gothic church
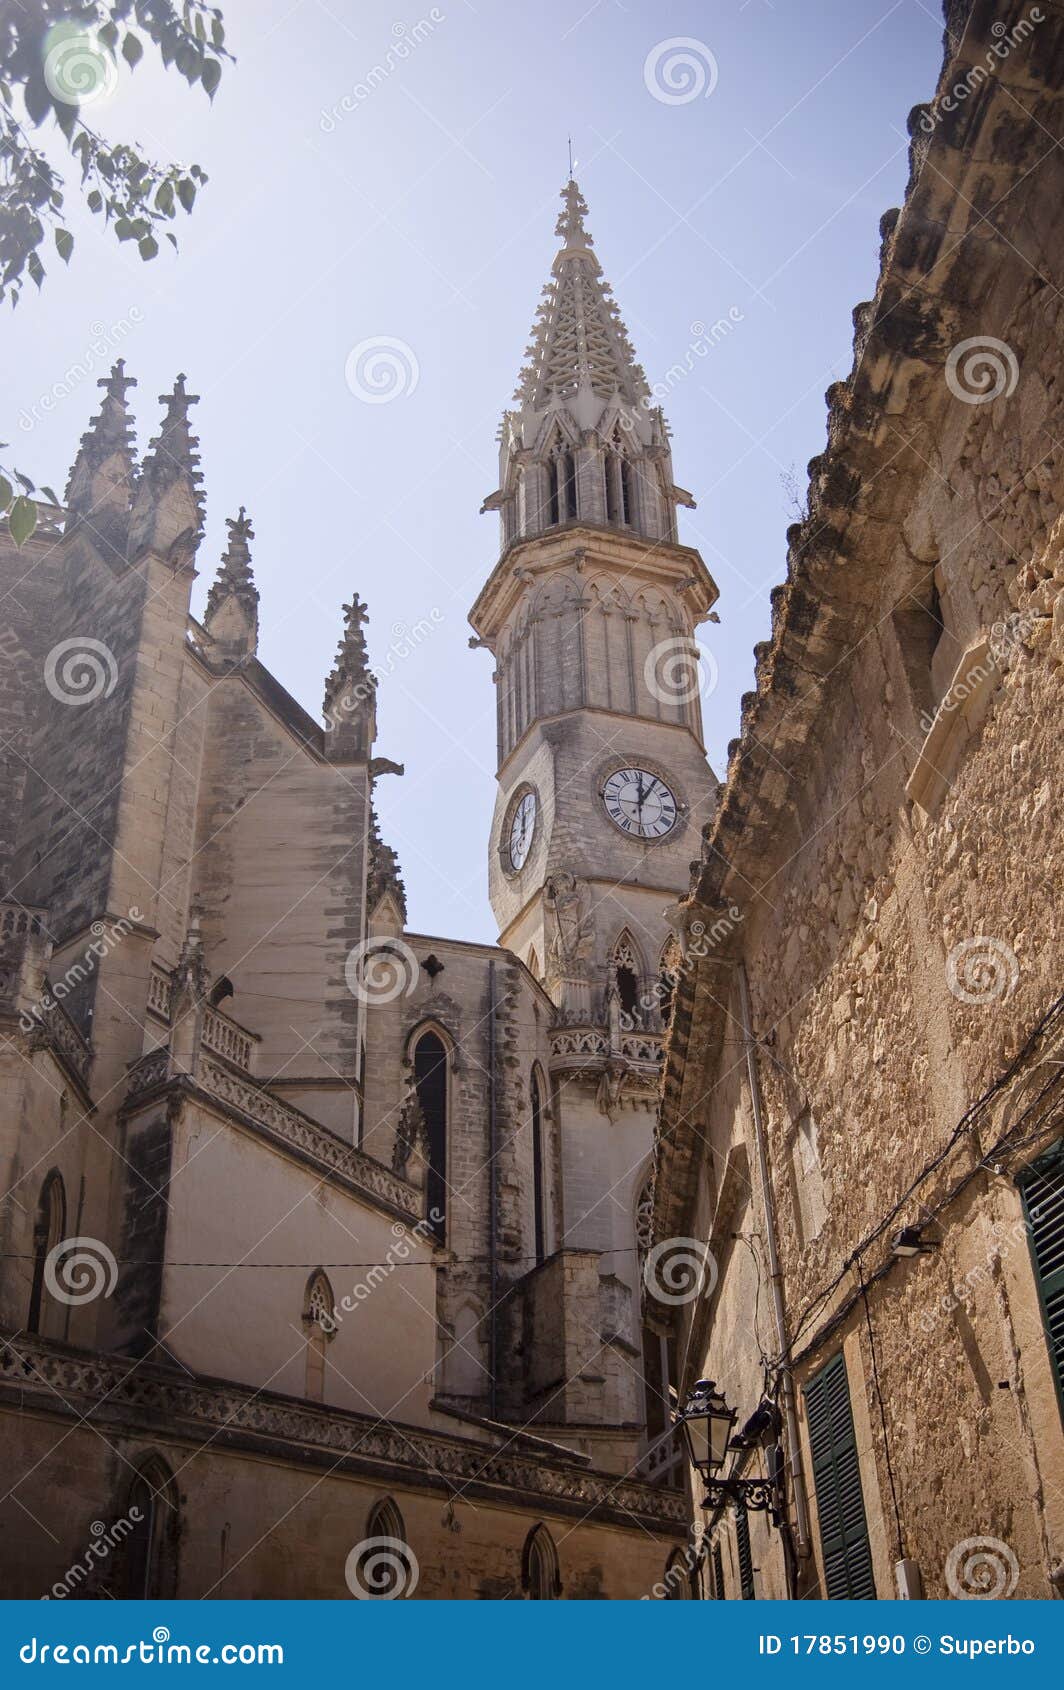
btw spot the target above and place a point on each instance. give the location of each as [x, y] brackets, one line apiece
[320, 1234]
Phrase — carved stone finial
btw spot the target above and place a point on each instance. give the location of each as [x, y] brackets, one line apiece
[234, 578]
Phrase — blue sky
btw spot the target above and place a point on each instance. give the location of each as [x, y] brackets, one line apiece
[424, 213]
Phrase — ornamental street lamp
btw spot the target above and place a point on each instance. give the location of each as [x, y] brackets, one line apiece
[707, 1423]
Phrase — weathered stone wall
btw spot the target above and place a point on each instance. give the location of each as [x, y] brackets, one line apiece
[262, 1528]
[895, 871]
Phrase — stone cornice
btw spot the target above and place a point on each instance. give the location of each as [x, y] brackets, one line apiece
[142, 1397]
[250, 1105]
[590, 546]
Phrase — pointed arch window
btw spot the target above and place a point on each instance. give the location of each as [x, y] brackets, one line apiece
[540, 1575]
[626, 973]
[431, 1078]
[386, 1568]
[149, 1553]
[627, 493]
[48, 1231]
[561, 484]
[319, 1319]
[677, 1580]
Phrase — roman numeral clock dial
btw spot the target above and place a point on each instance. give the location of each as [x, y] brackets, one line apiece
[640, 803]
[522, 829]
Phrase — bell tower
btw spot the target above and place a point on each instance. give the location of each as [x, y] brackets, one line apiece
[590, 613]
[603, 784]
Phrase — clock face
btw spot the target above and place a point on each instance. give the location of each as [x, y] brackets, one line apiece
[640, 803]
[522, 827]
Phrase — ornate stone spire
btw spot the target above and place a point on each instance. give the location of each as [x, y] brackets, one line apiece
[586, 441]
[351, 688]
[579, 343]
[232, 616]
[168, 509]
[99, 491]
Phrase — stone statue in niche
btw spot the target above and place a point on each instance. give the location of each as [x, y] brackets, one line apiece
[571, 940]
[608, 1098]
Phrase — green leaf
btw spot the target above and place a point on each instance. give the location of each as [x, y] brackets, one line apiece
[186, 192]
[49, 493]
[148, 247]
[172, 239]
[24, 481]
[22, 520]
[124, 229]
[132, 51]
[210, 76]
[164, 198]
[35, 268]
[7, 492]
[64, 244]
[95, 200]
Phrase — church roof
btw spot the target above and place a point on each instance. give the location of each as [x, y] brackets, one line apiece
[578, 338]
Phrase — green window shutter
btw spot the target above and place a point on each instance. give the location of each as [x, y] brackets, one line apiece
[746, 1560]
[837, 1478]
[1042, 1189]
[718, 1573]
